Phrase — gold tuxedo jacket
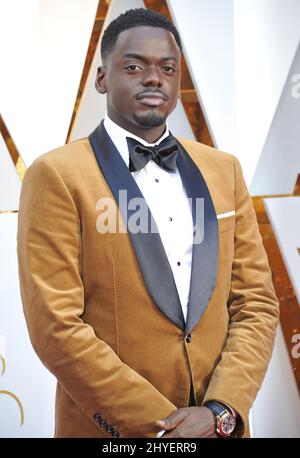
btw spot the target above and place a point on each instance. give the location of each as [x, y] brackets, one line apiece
[102, 308]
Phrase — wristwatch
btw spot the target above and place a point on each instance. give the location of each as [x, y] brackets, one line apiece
[225, 418]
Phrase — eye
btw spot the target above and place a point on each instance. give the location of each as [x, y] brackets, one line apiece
[168, 69]
[133, 68]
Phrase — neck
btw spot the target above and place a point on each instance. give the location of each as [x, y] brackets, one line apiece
[149, 134]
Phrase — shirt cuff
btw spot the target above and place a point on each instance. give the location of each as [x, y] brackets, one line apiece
[160, 433]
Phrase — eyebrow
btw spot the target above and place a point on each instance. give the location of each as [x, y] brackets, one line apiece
[132, 55]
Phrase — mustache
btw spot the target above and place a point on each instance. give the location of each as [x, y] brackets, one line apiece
[157, 92]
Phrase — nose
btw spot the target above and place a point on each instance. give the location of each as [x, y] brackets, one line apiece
[152, 77]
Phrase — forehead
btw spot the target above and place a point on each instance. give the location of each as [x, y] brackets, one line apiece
[147, 41]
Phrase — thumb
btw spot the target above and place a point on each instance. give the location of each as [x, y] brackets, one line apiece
[164, 424]
[172, 421]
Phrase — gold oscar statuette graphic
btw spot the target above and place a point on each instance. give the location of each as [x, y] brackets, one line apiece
[2, 359]
[9, 393]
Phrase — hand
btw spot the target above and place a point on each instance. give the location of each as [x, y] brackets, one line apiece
[189, 422]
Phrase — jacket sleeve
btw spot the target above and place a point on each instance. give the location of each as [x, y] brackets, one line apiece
[253, 313]
[52, 292]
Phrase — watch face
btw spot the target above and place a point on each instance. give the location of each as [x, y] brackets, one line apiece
[227, 424]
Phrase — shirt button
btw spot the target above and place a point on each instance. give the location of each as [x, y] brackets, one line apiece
[178, 263]
[170, 218]
[188, 338]
[156, 180]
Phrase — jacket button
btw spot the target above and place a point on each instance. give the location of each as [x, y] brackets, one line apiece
[97, 417]
[188, 338]
[109, 429]
[103, 423]
[115, 434]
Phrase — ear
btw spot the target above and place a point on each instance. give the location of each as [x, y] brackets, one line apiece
[100, 80]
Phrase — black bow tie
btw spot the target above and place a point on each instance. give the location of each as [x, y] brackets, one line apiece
[164, 154]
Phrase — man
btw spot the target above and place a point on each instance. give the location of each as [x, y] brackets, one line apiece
[148, 332]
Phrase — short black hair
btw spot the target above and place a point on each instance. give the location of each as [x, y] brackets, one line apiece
[134, 18]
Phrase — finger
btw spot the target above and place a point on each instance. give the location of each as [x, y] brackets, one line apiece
[173, 420]
[161, 424]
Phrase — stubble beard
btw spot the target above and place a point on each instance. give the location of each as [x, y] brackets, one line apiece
[150, 119]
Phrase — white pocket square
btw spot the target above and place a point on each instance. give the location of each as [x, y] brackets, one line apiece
[226, 215]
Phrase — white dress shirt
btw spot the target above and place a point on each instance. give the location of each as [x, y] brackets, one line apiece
[167, 200]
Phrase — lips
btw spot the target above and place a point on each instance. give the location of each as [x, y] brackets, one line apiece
[151, 99]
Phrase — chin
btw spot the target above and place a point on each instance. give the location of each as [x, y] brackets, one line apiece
[150, 118]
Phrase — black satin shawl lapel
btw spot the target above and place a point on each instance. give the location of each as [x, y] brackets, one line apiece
[148, 247]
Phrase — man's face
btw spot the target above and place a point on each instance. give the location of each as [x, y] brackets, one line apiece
[141, 77]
